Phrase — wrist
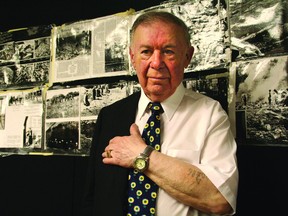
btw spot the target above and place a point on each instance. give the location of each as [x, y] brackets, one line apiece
[141, 162]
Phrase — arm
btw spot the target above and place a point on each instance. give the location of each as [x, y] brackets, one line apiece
[187, 184]
[181, 180]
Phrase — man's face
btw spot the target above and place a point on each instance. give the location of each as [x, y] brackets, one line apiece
[159, 54]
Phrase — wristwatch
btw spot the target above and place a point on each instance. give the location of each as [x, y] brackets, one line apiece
[141, 162]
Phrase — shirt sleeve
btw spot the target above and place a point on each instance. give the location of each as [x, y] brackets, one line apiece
[218, 157]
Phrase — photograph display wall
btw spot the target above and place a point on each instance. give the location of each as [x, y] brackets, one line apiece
[91, 48]
[25, 57]
[54, 80]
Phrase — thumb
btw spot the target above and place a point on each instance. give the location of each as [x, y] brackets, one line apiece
[134, 130]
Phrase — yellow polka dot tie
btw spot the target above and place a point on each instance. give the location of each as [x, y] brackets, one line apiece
[142, 190]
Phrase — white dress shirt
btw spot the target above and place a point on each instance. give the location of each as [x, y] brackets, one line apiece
[196, 129]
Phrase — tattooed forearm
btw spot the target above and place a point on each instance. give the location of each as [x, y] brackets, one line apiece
[199, 176]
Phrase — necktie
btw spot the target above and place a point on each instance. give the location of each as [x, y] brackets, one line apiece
[142, 190]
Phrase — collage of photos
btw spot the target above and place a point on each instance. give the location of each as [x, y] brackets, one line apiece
[72, 113]
[54, 80]
[25, 57]
[91, 48]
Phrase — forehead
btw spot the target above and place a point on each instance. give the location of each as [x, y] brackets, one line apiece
[158, 24]
[158, 31]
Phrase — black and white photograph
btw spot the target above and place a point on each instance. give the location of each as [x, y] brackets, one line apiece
[285, 28]
[116, 43]
[86, 134]
[7, 74]
[62, 135]
[262, 101]
[21, 119]
[62, 103]
[257, 28]
[24, 75]
[32, 131]
[73, 44]
[41, 72]
[42, 47]
[214, 85]
[24, 50]
[3, 105]
[95, 97]
[7, 51]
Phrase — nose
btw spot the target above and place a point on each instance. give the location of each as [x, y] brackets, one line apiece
[156, 60]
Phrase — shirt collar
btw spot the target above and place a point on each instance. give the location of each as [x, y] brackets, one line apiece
[169, 105]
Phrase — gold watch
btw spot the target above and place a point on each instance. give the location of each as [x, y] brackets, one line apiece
[141, 162]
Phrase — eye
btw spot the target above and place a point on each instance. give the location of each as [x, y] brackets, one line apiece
[146, 52]
[168, 52]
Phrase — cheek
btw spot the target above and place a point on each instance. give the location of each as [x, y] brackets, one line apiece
[177, 76]
[138, 64]
[141, 67]
[141, 74]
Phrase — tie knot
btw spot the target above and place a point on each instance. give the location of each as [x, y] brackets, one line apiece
[155, 107]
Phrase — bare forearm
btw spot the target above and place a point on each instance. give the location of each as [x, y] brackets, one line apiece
[186, 183]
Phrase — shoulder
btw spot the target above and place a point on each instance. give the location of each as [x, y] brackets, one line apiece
[126, 102]
[125, 106]
[196, 96]
[192, 98]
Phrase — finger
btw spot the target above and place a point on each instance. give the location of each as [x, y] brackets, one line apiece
[107, 154]
[134, 129]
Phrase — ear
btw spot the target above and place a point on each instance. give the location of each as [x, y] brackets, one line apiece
[131, 54]
[189, 55]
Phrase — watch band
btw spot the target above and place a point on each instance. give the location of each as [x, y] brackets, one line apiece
[148, 150]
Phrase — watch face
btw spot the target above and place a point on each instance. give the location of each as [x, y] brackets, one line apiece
[140, 164]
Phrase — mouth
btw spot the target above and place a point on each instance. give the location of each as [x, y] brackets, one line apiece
[157, 78]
